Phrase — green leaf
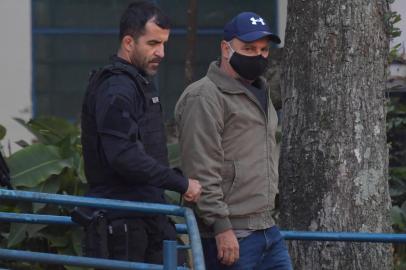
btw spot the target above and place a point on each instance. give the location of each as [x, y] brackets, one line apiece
[398, 171]
[51, 185]
[57, 241]
[53, 129]
[403, 208]
[5, 235]
[3, 132]
[397, 217]
[17, 234]
[50, 129]
[77, 161]
[70, 267]
[77, 236]
[397, 186]
[32, 165]
[68, 147]
[33, 229]
[80, 170]
[69, 251]
[27, 126]
[7, 206]
[70, 182]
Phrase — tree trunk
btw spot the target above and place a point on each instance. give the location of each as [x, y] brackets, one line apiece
[333, 171]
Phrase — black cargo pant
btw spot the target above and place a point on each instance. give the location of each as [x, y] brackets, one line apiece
[138, 239]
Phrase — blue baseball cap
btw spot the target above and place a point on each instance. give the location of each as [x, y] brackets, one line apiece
[248, 27]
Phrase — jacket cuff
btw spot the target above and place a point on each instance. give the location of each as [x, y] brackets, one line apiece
[180, 183]
[221, 225]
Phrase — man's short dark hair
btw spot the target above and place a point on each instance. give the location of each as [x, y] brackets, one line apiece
[137, 15]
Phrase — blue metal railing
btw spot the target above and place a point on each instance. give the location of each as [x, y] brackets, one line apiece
[345, 236]
[182, 228]
[170, 247]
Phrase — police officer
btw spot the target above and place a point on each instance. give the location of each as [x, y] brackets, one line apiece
[124, 142]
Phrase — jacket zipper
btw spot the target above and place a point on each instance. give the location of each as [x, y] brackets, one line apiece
[266, 115]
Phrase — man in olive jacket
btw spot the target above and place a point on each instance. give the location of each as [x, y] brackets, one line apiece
[227, 127]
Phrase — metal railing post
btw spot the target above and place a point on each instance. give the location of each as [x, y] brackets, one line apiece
[195, 240]
[170, 255]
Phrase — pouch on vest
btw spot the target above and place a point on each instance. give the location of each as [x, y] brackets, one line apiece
[95, 224]
[117, 120]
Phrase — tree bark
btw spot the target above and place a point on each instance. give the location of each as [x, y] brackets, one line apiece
[334, 157]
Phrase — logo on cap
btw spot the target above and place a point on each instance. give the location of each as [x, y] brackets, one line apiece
[255, 21]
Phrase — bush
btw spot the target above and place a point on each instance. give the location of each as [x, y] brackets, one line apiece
[53, 164]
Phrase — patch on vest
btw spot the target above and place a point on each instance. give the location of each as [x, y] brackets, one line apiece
[155, 100]
[117, 119]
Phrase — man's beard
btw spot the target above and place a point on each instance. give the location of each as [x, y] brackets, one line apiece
[142, 66]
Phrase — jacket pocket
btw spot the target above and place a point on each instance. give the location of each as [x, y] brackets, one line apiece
[228, 174]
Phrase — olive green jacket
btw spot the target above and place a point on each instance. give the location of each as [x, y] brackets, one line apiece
[227, 143]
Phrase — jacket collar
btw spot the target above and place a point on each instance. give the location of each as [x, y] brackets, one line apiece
[228, 84]
[124, 64]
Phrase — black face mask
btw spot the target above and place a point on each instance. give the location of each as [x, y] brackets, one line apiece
[248, 67]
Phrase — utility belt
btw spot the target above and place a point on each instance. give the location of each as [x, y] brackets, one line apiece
[96, 227]
[105, 238]
[123, 238]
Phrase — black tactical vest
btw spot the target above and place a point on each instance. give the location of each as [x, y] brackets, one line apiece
[151, 129]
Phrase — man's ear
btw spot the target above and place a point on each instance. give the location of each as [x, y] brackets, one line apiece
[127, 43]
[225, 49]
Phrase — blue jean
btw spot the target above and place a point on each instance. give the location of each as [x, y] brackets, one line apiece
[261, 250]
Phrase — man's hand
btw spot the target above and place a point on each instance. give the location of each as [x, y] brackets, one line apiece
[228, 249]
[193, 192]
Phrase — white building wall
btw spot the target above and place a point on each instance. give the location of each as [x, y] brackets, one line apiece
[400, 7]
[282, 14]
[15, 69]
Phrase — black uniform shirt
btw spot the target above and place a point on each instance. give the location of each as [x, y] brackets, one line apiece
[260, 94]
[123, 139]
